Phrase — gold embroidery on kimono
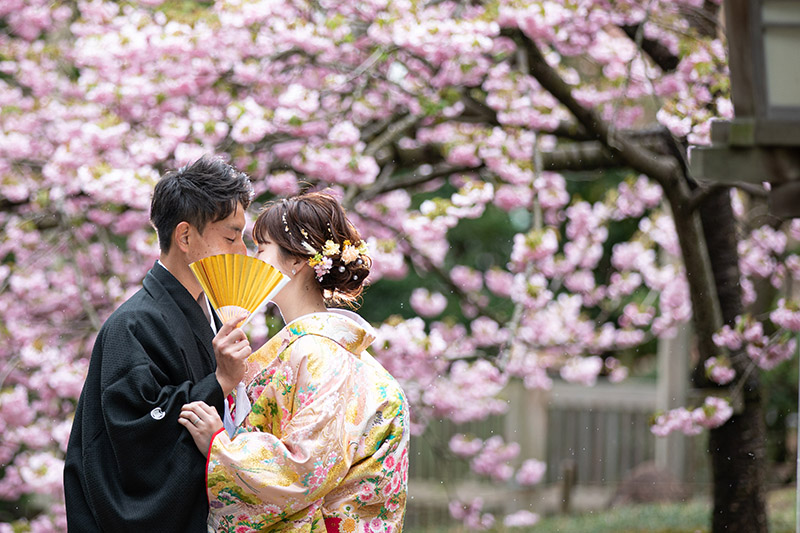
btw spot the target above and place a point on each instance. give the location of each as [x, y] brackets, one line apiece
[325, 447]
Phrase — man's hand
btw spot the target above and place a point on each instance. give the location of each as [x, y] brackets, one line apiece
[231, 348]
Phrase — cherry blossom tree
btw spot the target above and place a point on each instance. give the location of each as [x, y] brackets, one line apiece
[420, 115]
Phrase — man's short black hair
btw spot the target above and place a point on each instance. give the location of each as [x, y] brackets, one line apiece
[206, 191]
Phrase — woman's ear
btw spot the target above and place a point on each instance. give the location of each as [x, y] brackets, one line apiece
[297, 264]
[180, 237]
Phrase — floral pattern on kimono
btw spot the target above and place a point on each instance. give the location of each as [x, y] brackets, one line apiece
[325, 447]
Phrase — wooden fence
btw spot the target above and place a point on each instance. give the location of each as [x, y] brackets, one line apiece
[597, 435]
[604, 431]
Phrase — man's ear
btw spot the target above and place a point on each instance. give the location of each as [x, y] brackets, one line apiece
[180, 237]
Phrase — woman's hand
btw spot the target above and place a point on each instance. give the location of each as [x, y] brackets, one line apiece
[202, 421]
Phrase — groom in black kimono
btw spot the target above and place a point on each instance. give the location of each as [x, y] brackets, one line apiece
[130, 466]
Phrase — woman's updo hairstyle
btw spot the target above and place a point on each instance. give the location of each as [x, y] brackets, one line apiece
[314, 226]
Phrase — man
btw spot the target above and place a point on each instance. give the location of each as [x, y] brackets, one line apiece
[130, 466]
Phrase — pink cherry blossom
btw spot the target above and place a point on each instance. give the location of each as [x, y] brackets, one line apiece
[466, 278]
[719, 370]
[428, 304]
[714, 412]
[531, 472]
[582, 370]
[344, 134]
[471, 514]
[787, 315]
[679, 419]
[499, 282]
[728, 337]
[534, 246]
[521, 519]
[463, 446]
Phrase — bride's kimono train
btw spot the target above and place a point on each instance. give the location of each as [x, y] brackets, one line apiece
[325, 447]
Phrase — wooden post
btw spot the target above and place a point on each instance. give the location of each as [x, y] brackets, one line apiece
[526, 424]
[567, 484]
[745, 88]
[671, 392]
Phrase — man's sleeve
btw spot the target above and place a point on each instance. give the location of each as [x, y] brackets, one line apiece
[152, 478]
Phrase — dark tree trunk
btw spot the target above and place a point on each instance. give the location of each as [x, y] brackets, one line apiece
[738, 460]
[737, 449]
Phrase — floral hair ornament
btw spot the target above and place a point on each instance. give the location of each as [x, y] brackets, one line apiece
[351, 252]
[322, 261]
[321, 264]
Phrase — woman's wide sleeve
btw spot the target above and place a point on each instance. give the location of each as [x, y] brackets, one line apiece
[274, 476]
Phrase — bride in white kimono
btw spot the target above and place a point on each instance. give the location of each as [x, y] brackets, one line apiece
[324, 447]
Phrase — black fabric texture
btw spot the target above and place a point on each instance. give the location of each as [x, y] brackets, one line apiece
[128, 468]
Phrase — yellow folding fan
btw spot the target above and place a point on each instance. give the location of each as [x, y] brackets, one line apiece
[235, 283]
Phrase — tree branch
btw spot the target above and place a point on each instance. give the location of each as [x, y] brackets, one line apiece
[662, 169]
[372, 129]
[412, 179]
[668, 173]
[392, 133]
[659, 53]
[478, 112]
[581, 156]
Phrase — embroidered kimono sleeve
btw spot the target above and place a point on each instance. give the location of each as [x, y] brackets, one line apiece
[372, 496]
[275, 476]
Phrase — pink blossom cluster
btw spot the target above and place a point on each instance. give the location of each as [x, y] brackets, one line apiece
[713, 413]
[533, 247]
[531, 472]
[521, 518]
[487, 332]
[463, 446]
[760, 255]
[786, 315]
[426, 303]
[467, 279]
[493, 458]
[471, 514]
[616, 370]
[703, 63]
[508, 154]
[469, 392]
[336, 164]
[583, 370]
[718, 370]
[767, 351]
[636, 197]
[427, 231]
[520, 101]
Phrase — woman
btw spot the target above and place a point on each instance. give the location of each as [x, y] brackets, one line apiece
[325, 445]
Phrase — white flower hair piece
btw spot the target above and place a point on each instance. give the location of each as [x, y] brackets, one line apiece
[310, 249]
[322, 261]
